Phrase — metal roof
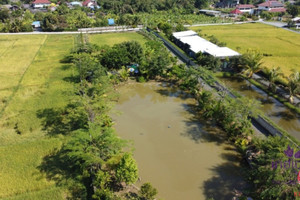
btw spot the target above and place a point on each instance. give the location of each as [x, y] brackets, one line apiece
[199, 44]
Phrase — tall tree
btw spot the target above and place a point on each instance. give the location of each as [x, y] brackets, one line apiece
[273, 75]
[293, 85]
[252, 62]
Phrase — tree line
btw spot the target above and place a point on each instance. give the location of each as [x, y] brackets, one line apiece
[94, 163]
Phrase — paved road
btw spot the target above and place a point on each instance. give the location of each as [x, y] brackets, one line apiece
[279, 25]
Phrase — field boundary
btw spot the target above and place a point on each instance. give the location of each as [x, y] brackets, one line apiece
[9, 47]
[21, 79]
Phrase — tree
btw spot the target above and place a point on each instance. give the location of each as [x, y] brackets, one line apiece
[126, 170]
[293, 85]
[293, 10]
[4, 14]
[252, 62]
[156, 60]
[273, 75]
[148, 192]
[208, 61]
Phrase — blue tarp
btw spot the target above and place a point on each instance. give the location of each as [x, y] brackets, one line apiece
[111, 22]
[36, 24]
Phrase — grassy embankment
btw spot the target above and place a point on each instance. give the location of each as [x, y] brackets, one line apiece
[281, 46]
[33, 79]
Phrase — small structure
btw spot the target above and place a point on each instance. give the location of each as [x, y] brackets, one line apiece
[296, 20]
[192, 43]
[236, 12]
[210, 12]
[246, 8]
[75, 3]
[133, 69]
[14, 7]
[92, 4]
[111, 22]
[36, 24]
[271, 6]
[41, 3]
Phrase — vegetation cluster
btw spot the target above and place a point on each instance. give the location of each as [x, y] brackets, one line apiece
[94, 163]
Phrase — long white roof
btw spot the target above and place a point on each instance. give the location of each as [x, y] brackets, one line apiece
[199, 44]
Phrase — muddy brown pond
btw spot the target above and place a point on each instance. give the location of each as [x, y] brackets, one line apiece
[181, 156]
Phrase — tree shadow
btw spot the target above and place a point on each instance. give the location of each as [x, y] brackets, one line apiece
[286, 115]
[72, 79]
[202, 130]
[170, 90]
[226, 181]
[62, 120]
[56, 167]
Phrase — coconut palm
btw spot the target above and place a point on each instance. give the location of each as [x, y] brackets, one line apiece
[273, 75]
[293, 84]
[252, 62]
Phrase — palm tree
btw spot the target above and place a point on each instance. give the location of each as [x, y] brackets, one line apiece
[273, 75]
[252, 62]
[293, 85]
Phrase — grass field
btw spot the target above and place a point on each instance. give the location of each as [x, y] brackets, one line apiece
[111, 39]
[32, 79]
[283, 46]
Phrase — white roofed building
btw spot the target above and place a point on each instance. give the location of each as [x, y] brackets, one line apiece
[192, 44]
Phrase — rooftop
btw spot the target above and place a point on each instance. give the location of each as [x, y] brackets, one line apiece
[271, 4]
[245, 6]
[41, 2]
[199, 44]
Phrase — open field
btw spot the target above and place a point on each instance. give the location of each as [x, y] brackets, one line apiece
[283, 46]
[115, 38]
[33, 79]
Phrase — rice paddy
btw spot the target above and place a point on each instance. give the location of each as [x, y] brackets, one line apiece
[280, 47]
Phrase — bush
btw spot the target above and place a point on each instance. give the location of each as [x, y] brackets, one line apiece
[148, 192]
[141, 79]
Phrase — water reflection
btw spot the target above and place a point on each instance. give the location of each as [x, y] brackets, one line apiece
[275, 110]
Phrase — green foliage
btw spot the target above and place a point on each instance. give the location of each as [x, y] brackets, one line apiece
[208, 61]
[4, 14]
[141, 79]
[156, 60]
[165, 27]
[126, 170]
[215, 40]
[294, 85]
[272, 182]
[122, 54]
[293, 10]
[148, 192]
[273, 75]
[124, 73]
[252, 62]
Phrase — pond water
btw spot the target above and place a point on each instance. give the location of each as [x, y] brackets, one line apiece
[272, 108]
[181, 156]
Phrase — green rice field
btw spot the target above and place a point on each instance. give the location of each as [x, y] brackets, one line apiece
[33, 79]
[281, 47]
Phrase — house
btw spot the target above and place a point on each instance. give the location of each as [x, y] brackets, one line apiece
[246, 8]
[192, 44]
[90, 4]
[235, 12]
[210, 12]
[41, 3]
[75, 3]
[271, 6]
